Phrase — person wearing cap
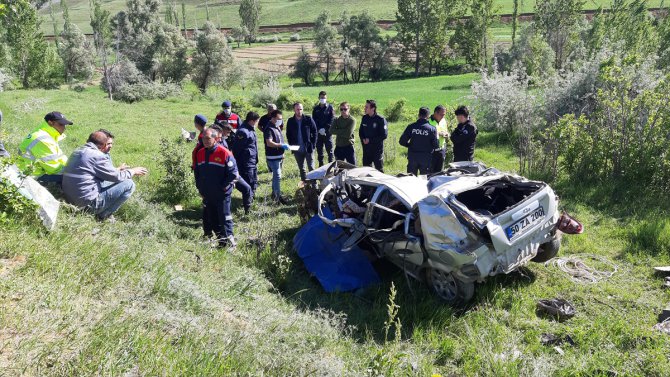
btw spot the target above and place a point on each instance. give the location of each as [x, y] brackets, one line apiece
[199, 122]
[266, 118]
[323, 115]
[301, 131]
[224, 130]
[41, 152]
[372, 133]
[274, 152]
[420, 138]
[439, 121]
[245, 150]
[228, 116]
[215, 175]
[343, 129]
[91, 181]
[3, 151]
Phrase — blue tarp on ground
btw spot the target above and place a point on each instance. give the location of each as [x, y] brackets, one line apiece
[320, 247]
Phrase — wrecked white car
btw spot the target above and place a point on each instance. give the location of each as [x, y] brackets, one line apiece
[450, 230]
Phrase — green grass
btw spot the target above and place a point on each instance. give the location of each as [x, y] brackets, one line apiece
[280, 12]
[427, 91]
[142, 297]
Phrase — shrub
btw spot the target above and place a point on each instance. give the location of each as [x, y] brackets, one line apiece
[294, 37]
[394, 112]
[13, 205]
[176, 184]
[147, 90]
[357, 110]
[288, 97]
[241, 105]
[268, 93]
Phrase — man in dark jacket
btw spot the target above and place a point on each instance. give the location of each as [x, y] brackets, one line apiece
[215, 175]
[226, 138]
[245, 150]
[372, 132]
[266, 118]
[323, 115]
[420, 138]
[301, 132]
[464, 136]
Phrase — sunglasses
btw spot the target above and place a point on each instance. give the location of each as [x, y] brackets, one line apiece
[343, 109]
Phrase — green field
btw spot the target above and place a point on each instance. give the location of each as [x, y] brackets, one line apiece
[143, 297]
[280, 12]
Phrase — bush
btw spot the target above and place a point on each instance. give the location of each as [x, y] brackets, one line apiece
[121, 73]
[356, 110]
[288, 97]
[147, 90]
[177, 183]
[394, 112]
[13, 205]
[241, 105]
[294, 37]
[268, 93]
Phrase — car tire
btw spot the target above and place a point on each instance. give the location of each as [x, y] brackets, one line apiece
[449, 288]
[547, 250]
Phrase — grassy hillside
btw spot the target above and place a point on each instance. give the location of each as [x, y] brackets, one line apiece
[276, 12]
[143, 297]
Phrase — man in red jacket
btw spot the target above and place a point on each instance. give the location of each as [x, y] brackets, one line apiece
[215, 174]
[228, 116]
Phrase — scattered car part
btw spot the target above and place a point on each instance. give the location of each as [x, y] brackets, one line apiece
[663, 269]
[554, 340]
[579, 271]
[666, 283]
[557, 308]
[663, 327]
[450, 230]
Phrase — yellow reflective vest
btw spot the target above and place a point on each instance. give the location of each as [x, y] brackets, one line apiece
[41, 151]
[442, 127]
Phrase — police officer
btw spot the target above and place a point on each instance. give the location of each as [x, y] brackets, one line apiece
[227, 141]
[464, 136]
[199, 122]
[3, 151]
[420, 138]
[228, 116]
[439, 121]
[323, 115]
[301, 131]
[215, 174]
[373, 132]
[245, 150]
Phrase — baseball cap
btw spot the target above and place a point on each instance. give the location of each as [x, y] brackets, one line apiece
[200, 119]
[57, 117]
[226, 103]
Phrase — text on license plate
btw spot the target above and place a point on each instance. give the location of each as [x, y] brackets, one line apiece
[520, 226]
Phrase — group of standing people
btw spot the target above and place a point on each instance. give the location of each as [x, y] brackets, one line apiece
[226, 155]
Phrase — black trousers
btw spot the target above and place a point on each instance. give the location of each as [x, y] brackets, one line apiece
[347, 154]
[437, 160]
[418, 163]
[374, 157]
[324, 141]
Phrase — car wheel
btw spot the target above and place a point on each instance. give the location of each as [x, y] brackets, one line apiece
[446, 286]
[547, 250]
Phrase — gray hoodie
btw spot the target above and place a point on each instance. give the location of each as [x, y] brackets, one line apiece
[86, 169]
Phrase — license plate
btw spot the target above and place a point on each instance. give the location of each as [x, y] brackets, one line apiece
[518, 228]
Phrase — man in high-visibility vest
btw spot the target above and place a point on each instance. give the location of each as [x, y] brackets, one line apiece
[439, 156]
[40, 150]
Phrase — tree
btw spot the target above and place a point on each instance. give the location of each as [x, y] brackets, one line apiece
[211, 56]
[359, 33]
[31, 59]
[471, 38]
[75, 51]
[304, 68]
[325, 41]
[422, 28]
[239, 34]
[250, 13]
[100, 23]
[557, 21]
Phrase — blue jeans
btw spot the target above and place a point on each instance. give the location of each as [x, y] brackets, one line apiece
[275, 168]
[111, 197]
[50, 178]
